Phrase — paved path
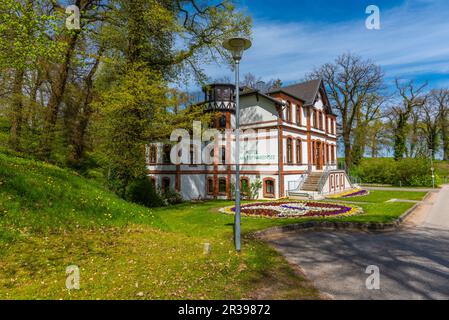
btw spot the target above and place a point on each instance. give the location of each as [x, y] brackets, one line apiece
[439, 213]
[413, 262]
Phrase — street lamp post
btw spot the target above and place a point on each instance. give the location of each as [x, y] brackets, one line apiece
[236, 46]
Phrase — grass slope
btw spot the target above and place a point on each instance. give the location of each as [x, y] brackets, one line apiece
[51, 218]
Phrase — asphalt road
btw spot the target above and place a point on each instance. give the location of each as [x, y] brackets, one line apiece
[413, 263]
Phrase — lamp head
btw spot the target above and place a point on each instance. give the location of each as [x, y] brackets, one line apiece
[237, 46]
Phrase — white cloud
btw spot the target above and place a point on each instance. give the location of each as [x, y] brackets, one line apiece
[413, 41]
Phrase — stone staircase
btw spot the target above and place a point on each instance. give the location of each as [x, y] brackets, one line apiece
[310, 188]
[312, 183]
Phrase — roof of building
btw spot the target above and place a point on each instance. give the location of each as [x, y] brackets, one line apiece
[248, 92]
[305, 91]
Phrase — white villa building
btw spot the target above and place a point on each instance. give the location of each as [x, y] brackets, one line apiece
[292, 151]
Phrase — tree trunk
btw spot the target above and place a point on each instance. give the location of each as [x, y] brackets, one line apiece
[58, 88]
[445, 137]
[17, 110]
[79, 135]
[32, 115]
[347, 145]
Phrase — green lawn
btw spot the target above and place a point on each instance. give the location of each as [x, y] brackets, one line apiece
[380, 196]
[51, 218]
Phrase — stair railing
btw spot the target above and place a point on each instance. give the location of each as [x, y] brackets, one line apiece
[297, 185]
[323, 179]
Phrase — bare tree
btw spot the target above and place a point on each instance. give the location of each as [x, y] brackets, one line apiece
[350, 81]
[412, 98]
[370, 111]
[431, 125]
[440, 98]
[254, 82]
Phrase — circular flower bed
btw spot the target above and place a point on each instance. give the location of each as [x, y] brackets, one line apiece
[350, 194]
[297, 209]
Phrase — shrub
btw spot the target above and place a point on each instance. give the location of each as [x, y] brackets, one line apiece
[412, 172]
[172, 197]
[141, 191]
[248, 192]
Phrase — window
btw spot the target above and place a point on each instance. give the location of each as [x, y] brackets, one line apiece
[328, 154]
[218, 94]
[166, 154]
[298, 152]
[153, 155]
[222, 122]
[222, 185]
[314, 118]
[333, 154]
[289, 150]
[192, 154]
[153, 182]
[320, 120]
[226, 94]
[313, 152]
[298, 115]
[223, 155]
[268, 188]
[289, 112]
[165, 184]
[210, 186]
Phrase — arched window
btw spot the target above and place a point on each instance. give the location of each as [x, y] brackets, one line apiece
[268, 188]
[223, 155]
[153, 155]
[222, 185]
[166, 154]
[298, 151]
[165, 184]
[289, 150]
[210, 186]
[289, 112]
[320, 120]
[298, 115]
[333, 155]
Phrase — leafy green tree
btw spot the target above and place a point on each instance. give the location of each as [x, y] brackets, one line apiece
[130, 108]
[24, 41]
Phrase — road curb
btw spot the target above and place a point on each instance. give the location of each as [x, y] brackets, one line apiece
[339, 226]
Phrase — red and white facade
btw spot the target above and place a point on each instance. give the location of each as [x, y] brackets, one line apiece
[294, 134]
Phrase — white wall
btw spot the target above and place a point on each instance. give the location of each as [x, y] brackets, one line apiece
[193, 186]
[253, 110]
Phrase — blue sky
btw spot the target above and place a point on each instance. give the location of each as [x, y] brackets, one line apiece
[290, 38]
